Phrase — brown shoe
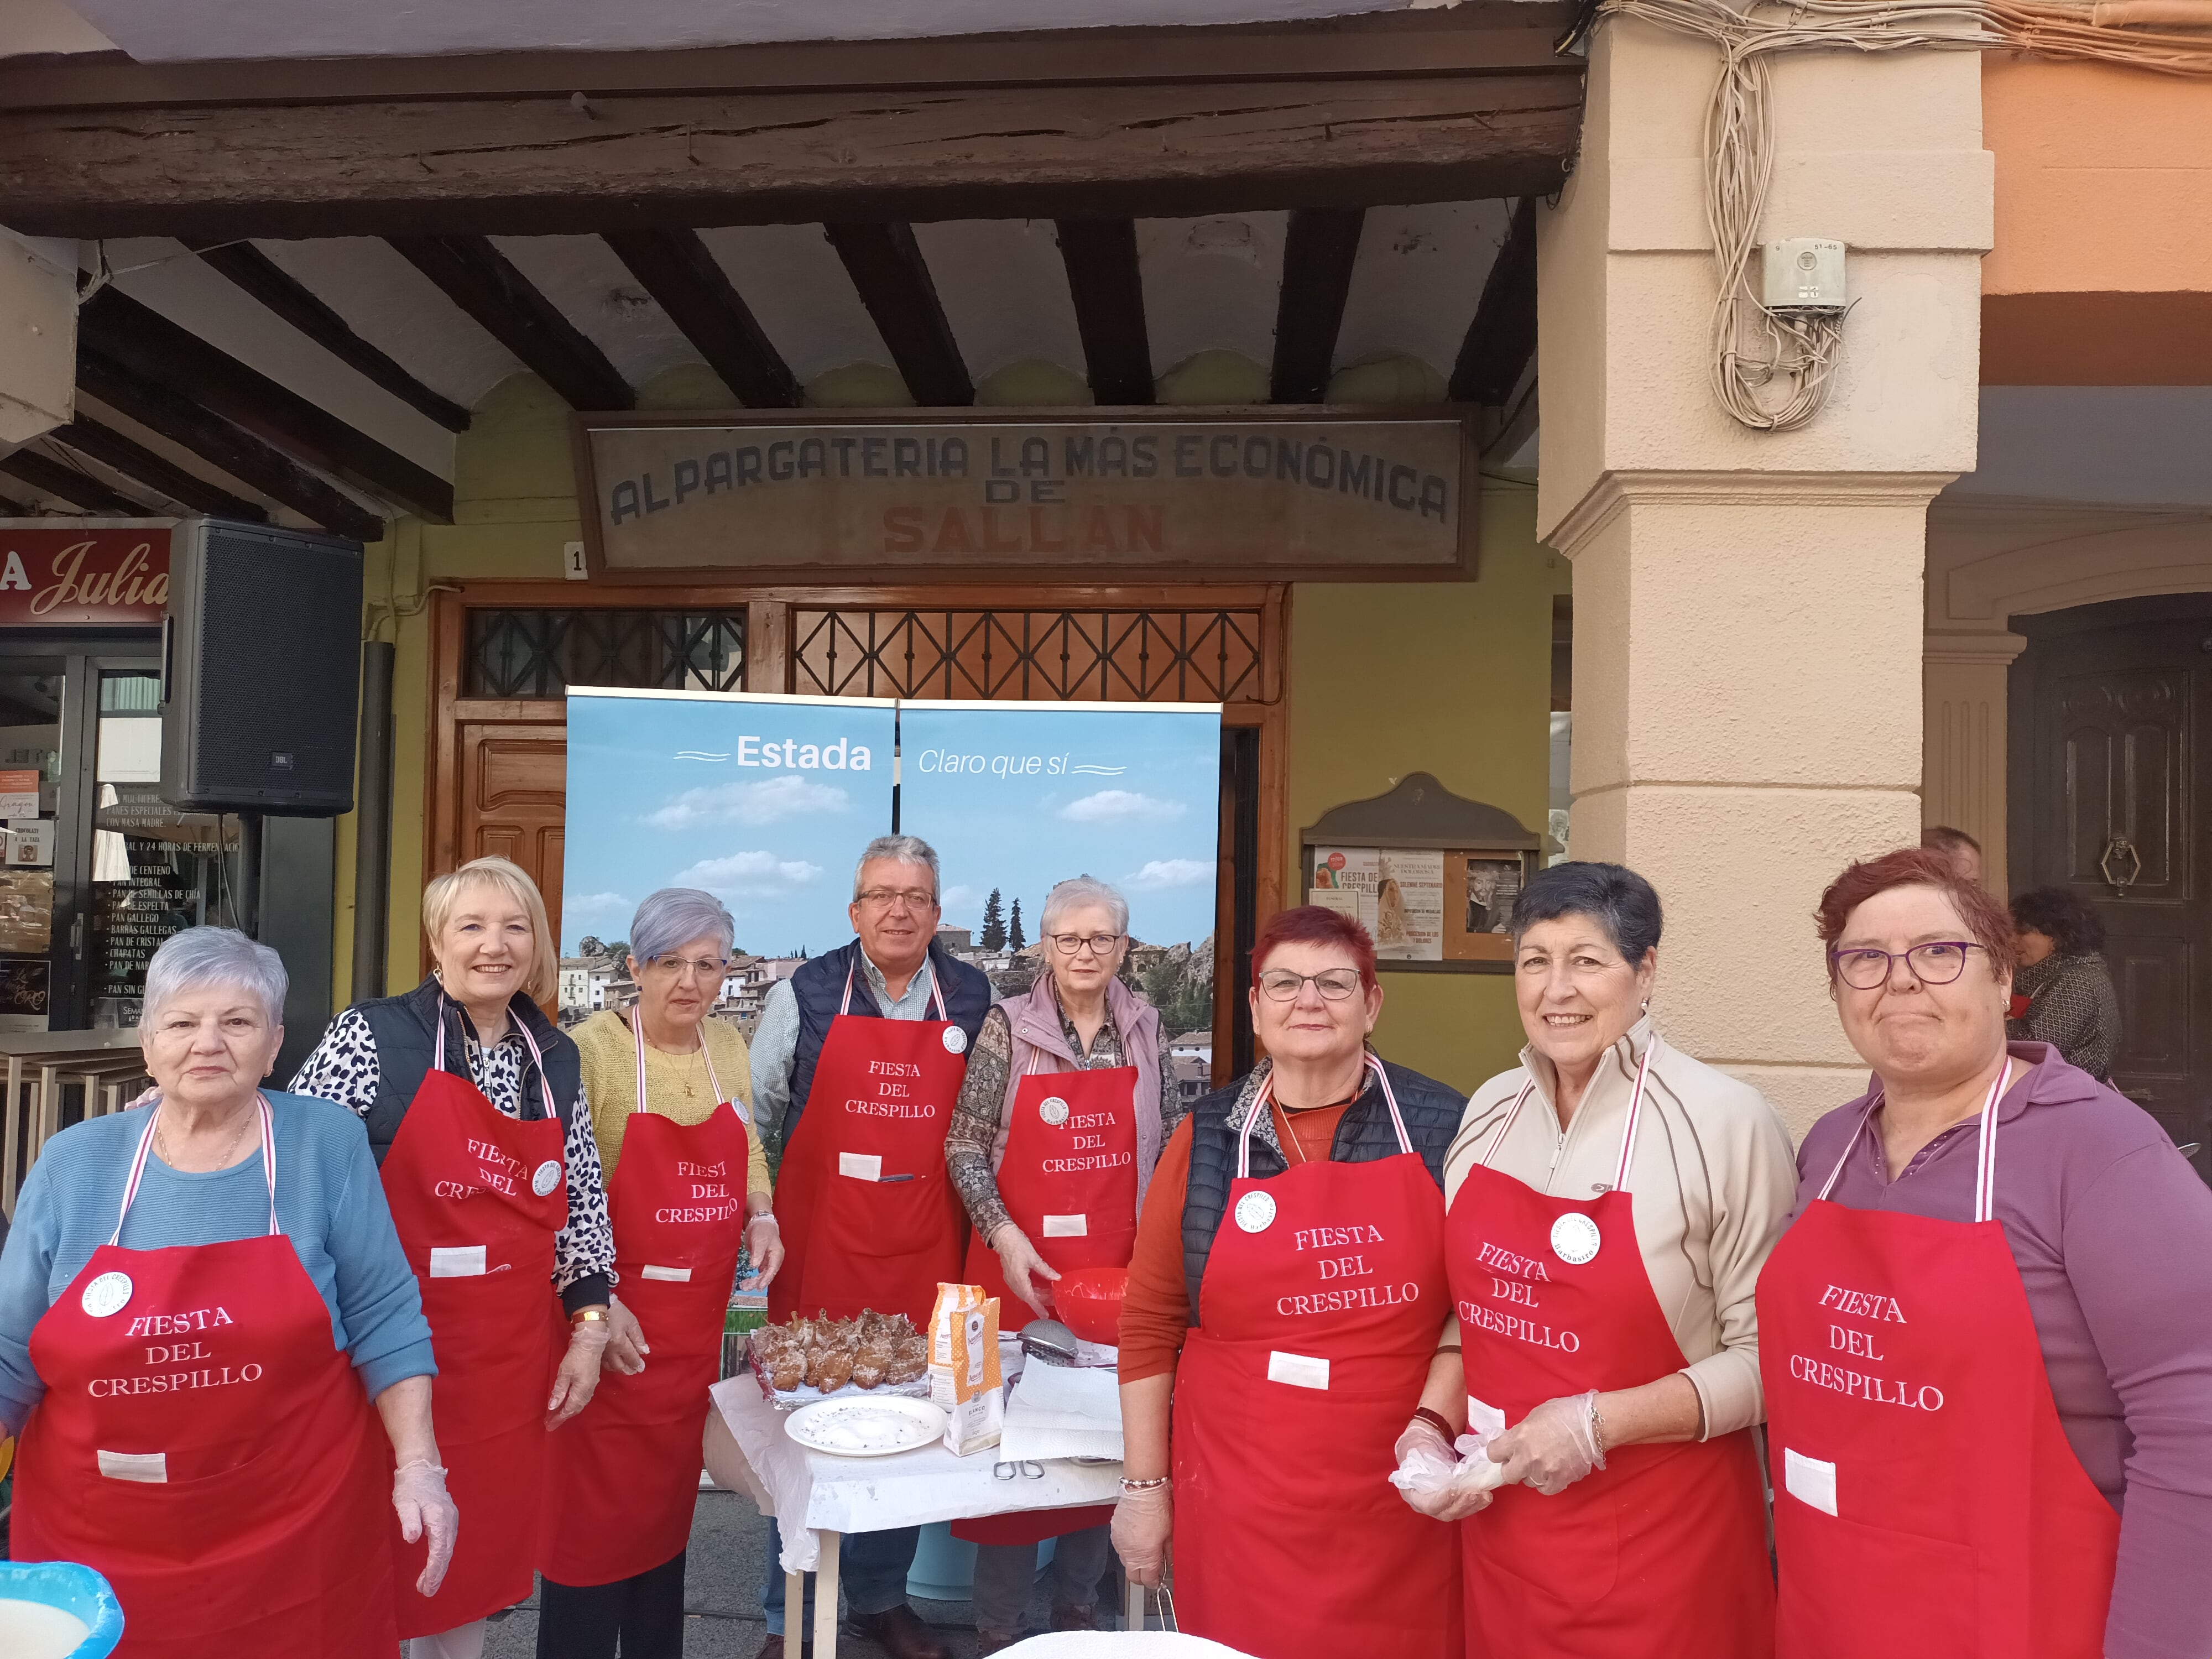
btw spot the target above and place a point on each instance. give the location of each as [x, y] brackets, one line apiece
[1066, 1615]
[901, 1634]
[773, 1649]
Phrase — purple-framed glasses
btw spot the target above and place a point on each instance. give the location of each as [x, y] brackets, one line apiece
[1938, 961]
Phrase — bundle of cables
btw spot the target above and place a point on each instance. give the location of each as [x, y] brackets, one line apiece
[1773, 368]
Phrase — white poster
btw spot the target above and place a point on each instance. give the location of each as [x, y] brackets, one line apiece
[1399, 894]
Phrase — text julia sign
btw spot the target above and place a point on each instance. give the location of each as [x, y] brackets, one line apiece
[1305, 492]
[84, 575]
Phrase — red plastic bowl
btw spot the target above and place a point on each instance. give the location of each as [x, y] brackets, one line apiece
[1089, 1302]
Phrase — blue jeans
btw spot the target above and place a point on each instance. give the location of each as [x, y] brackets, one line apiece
[872, 1566]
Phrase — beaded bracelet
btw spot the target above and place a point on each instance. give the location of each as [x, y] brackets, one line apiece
[1153, 1485]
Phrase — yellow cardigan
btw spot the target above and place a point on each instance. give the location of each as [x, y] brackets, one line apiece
[610, 1055]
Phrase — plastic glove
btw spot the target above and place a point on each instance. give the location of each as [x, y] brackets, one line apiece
[1017, 1259]
[1439, 1485]
[765, 1244]
[578, 1379]
[418, 1494]
[1143, 1522]
[1553, 1447]
[626, 1344]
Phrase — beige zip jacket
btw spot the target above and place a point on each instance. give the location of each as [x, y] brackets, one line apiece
[1712, 1180]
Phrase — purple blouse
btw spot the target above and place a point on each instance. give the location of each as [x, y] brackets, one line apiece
[2112, 1230]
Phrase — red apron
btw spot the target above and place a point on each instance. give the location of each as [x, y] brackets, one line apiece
[205, 1447]
[1663, 1551]
[620, 1495]
[1318, 1318]
[477, 1197]
[1927, 1504]
[1069, 1181]
[869, 1215]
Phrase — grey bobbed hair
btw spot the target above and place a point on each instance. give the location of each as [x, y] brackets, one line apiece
[1079, 890]
[673, 917]
[1618, 899]
[201, 956]
[899, 850]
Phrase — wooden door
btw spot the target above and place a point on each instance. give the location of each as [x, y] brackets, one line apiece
[514, 781]
[2113, 798]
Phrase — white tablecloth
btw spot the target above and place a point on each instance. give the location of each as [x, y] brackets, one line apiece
[869, 1494]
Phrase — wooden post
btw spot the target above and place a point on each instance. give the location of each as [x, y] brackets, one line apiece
[826, 1601]
[794, 1613]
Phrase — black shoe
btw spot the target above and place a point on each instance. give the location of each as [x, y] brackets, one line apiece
[900, 1633]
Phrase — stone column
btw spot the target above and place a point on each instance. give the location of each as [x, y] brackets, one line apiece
[1964, 775]
[1748, 614]
[38, 337]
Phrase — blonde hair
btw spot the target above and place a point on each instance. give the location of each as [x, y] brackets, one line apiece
[443, 896]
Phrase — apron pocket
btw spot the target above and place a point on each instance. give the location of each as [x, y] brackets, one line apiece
[1892, 1592]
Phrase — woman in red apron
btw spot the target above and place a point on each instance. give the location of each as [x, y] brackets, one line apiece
[1291, 1248]
[493, 1183]
[1985, 1372]
[685, 1171]
[202, 1440]
[1610, 1203]
[1059, 1125]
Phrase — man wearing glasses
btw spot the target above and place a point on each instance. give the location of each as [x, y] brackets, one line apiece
[856, 1064]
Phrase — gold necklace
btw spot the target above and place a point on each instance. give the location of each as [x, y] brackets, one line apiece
[683, 1076]
[161, 1145]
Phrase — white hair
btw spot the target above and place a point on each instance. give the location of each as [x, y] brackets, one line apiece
[898, 849]
[1078, 891]
[673, 917]
[199, 957]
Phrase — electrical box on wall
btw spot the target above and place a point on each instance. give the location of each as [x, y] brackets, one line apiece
[1804, 273]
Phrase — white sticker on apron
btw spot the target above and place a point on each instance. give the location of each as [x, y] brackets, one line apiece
[106, 1295]
[955, 1040]
[1255, 1212]
[673, 1275]
[1053, 1110]
[1484, 1418]
[861, 1166]
[1067, 1226]
[457, 1260]
[1574, 1238]
[152, 1467]
[1809, 1481]
[1300, 1371]
[546, 1177]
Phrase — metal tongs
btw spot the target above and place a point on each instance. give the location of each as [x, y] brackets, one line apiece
[1051, 1341]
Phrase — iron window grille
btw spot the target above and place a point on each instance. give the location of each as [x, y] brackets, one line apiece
[533, 653]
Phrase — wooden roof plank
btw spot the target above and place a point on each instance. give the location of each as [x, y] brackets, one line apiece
[284, 294]
[1318, 254]
[1502, 338]
[682, 274]
[1103, 280]
[230, 448]
[156, 472]
[53, 478]
[484, 282]
[886, 267]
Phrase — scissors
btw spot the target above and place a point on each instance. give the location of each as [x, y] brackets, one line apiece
[1022, 1469]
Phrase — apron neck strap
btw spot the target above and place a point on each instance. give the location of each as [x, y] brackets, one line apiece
[637, 1030]
[936, 994]
[1627, 1132]
[1986, 1151]
[146, 1146]
[1498, 1140]
[1266, 1093]
[545, 1083]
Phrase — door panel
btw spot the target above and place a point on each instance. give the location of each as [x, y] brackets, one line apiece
[514, 779]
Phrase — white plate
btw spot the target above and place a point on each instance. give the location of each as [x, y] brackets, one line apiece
[877, 1425]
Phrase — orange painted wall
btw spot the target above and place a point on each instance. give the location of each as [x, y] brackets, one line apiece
[2102, 272]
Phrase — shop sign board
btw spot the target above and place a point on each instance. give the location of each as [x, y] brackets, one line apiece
[83, 573]
[1295, 493]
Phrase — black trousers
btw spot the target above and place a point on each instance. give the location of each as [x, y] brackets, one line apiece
[645, 1615]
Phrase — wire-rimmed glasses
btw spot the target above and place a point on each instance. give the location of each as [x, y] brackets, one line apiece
[1937, 961]
[1099, 944]
[1335, 984]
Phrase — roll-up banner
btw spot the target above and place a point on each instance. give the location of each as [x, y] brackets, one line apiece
[767, 801]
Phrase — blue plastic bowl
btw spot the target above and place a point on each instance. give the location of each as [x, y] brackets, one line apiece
[73, 1589]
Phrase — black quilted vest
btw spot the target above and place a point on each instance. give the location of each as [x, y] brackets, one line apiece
[819, 990]
[1431, 1112]
[406, 1032]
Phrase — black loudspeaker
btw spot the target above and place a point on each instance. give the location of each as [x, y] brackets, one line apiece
[260, 670]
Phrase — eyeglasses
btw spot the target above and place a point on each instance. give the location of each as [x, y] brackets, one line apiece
[1281, 985]
[683, 968]
[1939, 962]
[1098, 945]
[890, 898]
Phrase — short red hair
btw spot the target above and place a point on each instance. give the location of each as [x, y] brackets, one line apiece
[1315, 924]
[1918, 867]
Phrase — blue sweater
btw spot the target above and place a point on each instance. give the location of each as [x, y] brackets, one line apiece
[329, 1202]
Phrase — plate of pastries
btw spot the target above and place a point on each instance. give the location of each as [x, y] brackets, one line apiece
[819, 1357]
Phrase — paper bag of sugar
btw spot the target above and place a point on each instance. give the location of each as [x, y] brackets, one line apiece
[978, 1413]
[953, 1301]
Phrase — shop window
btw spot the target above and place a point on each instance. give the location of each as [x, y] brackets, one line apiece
[1100, 656]
[531, 654]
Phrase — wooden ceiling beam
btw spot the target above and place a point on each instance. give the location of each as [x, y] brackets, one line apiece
[1502, 338]
[53, 478]
[1318, 254]
[229, 448]
[156, 472]
[252, 270]
[682, 274]
[501, 165]
[886, 267]
[484, 282]
[142, 340]
[1109, 291]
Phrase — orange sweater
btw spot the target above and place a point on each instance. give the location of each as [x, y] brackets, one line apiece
[1156, 1314]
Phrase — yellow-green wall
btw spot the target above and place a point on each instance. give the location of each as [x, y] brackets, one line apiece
[1384, 680]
